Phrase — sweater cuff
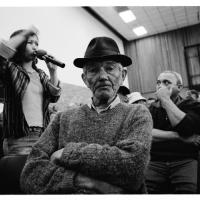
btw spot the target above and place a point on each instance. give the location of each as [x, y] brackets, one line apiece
[6, 51]
[68, 182]
[71, 154]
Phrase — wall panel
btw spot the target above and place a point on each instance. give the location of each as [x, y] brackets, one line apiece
[155, 54]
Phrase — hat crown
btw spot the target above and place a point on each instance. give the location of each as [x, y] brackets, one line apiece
[101, 46]
[100, 49]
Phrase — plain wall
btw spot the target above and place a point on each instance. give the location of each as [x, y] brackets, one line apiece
[64, 32]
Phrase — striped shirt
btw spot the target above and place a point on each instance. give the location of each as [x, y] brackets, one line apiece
[15, 80]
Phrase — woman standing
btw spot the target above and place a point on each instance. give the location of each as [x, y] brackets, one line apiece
[28, 92]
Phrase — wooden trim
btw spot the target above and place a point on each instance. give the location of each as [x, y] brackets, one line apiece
[194, 45]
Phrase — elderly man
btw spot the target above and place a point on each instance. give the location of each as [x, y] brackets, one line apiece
[173, 165]
[102, 147]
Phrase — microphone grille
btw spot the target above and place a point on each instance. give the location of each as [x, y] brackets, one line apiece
[41, 52]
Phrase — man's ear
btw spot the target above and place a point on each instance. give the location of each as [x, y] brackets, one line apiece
[180, 87]
[83, 76]
[124, 72]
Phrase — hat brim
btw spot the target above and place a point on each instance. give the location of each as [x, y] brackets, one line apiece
[135, 100]
[123, 59]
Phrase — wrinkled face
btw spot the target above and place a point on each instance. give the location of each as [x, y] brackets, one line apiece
[169, 81]
[103, 78]
[31, 47]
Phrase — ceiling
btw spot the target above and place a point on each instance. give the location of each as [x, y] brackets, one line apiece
[155, 19]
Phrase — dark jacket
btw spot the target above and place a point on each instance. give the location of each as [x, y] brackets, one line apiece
[15, 80]
[189, 125]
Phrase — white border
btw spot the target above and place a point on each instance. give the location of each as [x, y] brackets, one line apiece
[49, 3]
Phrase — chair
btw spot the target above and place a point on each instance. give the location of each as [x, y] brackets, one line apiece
[10, 170]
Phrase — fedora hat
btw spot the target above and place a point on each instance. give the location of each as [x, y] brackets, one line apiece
[102, 48]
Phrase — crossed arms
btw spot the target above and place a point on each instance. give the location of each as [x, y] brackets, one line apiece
[185, 125]
[116, 166]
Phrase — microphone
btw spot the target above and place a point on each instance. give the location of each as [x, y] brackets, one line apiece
[42, 55]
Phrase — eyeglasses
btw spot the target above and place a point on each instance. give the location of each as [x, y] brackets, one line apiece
[108, 66]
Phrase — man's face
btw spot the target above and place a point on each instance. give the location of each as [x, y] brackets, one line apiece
[103, 78]
[31, 47]
[169, 81]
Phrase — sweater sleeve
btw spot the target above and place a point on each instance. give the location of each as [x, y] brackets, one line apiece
[123, 163]
[39, 174]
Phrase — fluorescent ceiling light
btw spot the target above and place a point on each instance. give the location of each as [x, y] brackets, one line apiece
[140, 31]
[127, 16]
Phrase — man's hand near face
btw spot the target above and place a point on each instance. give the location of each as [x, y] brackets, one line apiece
[175, 115]
[164, 93]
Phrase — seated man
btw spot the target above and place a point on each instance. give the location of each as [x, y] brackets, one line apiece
[102, 147]
[174, 152]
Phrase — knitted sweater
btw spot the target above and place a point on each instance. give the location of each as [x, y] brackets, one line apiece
[112, 146]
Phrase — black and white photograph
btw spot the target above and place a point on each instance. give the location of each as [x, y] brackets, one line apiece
[100, 99]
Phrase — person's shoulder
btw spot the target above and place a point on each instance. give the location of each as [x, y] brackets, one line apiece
[134, 112]
[134, 108]
[128, 106]
[189, 102]
[12, 65]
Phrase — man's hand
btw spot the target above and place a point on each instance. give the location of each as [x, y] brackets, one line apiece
[164, 93]
[55, 157]
[52, 68]
[194, 139]
[85, 182]
[174, 114]
[52, 71]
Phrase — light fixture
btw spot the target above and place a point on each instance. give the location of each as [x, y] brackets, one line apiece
[140, 31]
[127, 16]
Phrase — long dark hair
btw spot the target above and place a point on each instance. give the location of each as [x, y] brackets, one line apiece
[18, 58]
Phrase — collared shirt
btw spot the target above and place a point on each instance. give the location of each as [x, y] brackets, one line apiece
[115, 102]
[15, 80]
